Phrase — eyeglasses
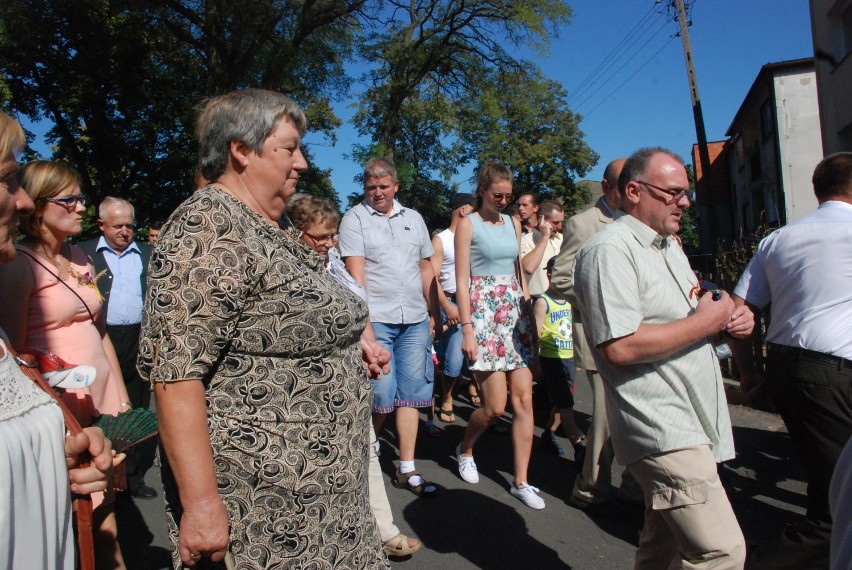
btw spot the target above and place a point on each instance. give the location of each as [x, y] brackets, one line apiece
[321, 239]
[675, 195]
[500, 196]
[69, 201]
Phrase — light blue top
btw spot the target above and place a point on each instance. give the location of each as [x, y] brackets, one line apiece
[493, 249]
[125, 297]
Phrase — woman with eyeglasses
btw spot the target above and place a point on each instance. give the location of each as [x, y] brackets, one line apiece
[315, 221]
[51, 302]
[497, 337]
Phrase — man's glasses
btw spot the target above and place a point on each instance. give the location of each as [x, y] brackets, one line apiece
[69, 201]
[321, 239]
[675, 195]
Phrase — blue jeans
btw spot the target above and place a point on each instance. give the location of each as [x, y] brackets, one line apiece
[449, 351]
[410, 381]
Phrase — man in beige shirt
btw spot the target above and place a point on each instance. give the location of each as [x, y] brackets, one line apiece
[540, 244]
[592, 486]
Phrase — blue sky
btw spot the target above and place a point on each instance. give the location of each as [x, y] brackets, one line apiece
[731, 40]
[642, 96]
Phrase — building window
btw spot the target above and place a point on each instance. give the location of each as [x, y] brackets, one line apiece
[767, 122]
[755, 166]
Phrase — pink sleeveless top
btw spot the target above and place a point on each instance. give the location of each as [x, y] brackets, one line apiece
[59, 322]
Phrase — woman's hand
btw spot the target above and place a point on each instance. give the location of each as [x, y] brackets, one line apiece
[468, 344]
[204, 531]
[376, 357]
[94, 478]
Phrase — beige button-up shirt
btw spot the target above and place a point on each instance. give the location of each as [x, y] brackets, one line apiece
[627, 275]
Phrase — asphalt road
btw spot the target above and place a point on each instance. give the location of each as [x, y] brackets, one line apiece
[483, 526]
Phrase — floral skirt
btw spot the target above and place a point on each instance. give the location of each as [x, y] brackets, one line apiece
[500, 322]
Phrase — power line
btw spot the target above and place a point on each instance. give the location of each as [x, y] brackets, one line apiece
[614, 73]
[608, 60]
[623, 83]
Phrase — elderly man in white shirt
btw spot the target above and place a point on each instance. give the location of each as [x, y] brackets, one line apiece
[653, 340]
[805, 270]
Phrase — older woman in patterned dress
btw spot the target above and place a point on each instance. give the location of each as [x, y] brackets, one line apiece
[256, 359]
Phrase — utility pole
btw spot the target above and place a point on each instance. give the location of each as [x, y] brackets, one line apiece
[698, 115]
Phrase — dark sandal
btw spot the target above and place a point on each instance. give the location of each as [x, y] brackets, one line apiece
[400, 545]
[444, 414]
[475, 399]
[421, 490]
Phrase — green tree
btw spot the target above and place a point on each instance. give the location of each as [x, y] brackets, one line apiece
[520, 118]
[689, 221]
[122, 80]
[422, 48]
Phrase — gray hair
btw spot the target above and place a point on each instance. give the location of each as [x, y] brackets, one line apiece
[379, 167]
[248, 116]
[111, 202]
[637, 164]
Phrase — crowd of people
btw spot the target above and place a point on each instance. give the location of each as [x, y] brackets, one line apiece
[277, 338]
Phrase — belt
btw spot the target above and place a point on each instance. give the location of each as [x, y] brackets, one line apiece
[813, 355]
[130, 326]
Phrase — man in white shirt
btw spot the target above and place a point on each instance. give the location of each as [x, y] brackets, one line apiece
[805, 270]
[653, 342]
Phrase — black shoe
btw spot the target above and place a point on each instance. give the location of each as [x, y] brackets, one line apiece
[143, 492]
[550, 443]
[579, 451]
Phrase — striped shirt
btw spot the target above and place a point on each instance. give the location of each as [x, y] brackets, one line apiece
[627, 275]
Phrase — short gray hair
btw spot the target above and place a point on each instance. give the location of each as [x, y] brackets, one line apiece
[111, 202]
[379, 167]
[248, 116]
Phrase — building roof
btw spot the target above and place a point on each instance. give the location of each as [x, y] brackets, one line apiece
[767, 73]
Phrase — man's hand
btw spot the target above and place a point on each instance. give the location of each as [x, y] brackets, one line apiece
[545, 228]
[94, 478]
[717, 314]
[204, 531]
[376, 357]
[742, 322]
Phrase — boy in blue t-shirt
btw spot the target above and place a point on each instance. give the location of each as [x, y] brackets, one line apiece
[556, 358]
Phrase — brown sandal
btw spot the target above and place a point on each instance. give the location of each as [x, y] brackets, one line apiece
[421, 490]
[401, 545]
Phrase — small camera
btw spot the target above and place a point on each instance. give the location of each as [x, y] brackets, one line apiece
[709, 287]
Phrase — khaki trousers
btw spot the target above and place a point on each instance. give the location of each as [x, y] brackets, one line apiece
[689, 522]
[378, 496]
[593, 482]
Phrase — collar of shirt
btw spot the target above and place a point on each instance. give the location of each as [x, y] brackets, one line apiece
[397, 209]
[835, 204]
[132, 248]
[612, 213]
[643, 233]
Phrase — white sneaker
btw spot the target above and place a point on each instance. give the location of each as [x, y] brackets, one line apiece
[467, 467]
[528, 495]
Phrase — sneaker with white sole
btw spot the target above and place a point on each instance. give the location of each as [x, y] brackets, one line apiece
[528, 495]
[467, 467]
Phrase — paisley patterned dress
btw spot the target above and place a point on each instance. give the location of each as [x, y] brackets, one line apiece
[275, 340]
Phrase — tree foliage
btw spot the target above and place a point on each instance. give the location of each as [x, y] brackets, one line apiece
[122, 80]
[520, 118]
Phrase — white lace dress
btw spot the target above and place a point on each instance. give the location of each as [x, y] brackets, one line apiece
[35, 501]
